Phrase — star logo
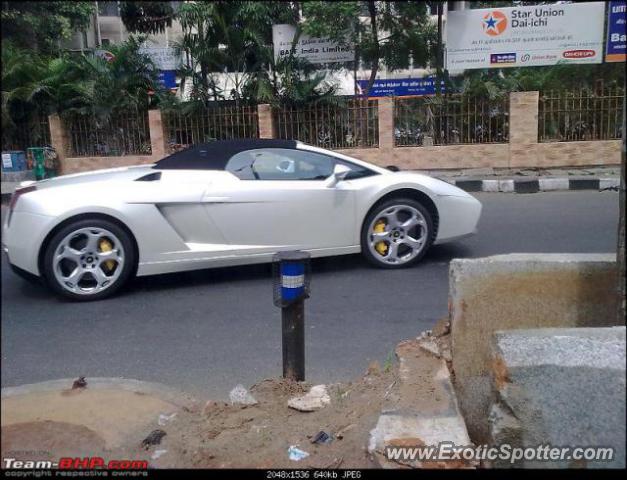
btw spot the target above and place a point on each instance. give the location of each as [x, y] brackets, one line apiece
[494, 23]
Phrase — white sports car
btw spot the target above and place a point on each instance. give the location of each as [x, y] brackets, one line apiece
[225, 203]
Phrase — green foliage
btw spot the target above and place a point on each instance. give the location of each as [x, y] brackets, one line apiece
[394, 33]
[492, 83]
[76, 83]
[146, 17]
[39, 26]
[235, 38]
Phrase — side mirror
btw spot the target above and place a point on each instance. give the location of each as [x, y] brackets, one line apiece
[339, 173]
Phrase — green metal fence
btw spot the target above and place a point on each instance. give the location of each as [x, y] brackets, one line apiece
[450, 120]
[351, 123]
[123, 133]
[566, 116]
[205, 124]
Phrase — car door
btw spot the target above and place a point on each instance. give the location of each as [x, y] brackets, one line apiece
[282, 200]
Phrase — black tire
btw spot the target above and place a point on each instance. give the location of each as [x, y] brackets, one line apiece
[375, 212]
[128, 267]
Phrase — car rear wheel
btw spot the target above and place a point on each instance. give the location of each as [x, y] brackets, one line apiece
[397, 233]
[89, 259]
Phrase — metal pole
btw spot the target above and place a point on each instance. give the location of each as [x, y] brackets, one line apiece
[293, 323]
[438, 74]
[622, 199]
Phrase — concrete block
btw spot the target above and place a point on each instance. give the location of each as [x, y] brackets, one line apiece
[550, 184]
[421, 411]
[519, 291]
[609, 183]
[506, 186]
[526, 186]
[490, 185]
[561, 387]
[469, 185]
[583, 183]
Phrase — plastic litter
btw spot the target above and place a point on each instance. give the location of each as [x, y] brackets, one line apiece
[157, 454]
[296, 453]
[239, 395]
[165, 418]
[322, 437]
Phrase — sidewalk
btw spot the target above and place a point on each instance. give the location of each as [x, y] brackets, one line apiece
[530, 180]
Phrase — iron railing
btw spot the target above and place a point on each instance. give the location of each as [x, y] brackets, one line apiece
[124, 133]
[566, 116]
[450, 120]
[351, 123]
[32, 132]
[220, 122]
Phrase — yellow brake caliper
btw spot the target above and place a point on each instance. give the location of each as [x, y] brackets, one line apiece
[380, 247]
[106, 246]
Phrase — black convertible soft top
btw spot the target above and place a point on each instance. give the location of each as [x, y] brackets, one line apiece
[215, 155]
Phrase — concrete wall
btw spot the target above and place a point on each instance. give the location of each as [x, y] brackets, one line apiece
[560, 387]
[522, 151]
[519, 291]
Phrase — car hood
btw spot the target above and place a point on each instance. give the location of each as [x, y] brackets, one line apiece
[109, 174]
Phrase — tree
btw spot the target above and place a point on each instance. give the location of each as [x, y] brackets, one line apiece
[232, 38]
[147, 17]
[383, 33]
[40, 26]
[76, 84]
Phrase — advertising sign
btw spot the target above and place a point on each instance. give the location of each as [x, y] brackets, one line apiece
[167, 78]
[315, 50]
[399, 87]
[164, 58]
[525, 36]
[616, 48]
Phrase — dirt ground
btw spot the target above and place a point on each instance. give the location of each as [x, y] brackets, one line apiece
[233, 436]
[112, 424]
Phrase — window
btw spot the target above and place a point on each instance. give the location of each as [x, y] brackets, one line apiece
[286, 164]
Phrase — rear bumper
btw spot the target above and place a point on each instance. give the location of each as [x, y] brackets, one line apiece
[22, 238]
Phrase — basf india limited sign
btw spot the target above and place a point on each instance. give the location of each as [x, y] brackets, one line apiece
[316, 50]
[525, 36]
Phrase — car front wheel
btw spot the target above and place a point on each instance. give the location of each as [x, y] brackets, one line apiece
[397, 233]
[89, 259]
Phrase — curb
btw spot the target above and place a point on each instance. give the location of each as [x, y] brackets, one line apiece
[169, 394]
[534, 185]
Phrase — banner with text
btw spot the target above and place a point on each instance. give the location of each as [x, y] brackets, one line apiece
[164, 58]
[616, 49]
[315, 50]
[400, 87]
[525, 36]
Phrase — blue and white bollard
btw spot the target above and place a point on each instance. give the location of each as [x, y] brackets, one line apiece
[291, 288]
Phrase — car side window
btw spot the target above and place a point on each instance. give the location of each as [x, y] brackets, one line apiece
[287, 164]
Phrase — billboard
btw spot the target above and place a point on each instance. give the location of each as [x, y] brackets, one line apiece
[399, 87]
[525, 36]
[616, 50]
[316, 50]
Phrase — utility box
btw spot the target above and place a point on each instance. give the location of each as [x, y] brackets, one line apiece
[13, 161]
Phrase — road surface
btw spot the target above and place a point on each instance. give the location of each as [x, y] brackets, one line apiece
[204, 332]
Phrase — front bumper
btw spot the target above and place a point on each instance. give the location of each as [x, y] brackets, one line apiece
[459, 217]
